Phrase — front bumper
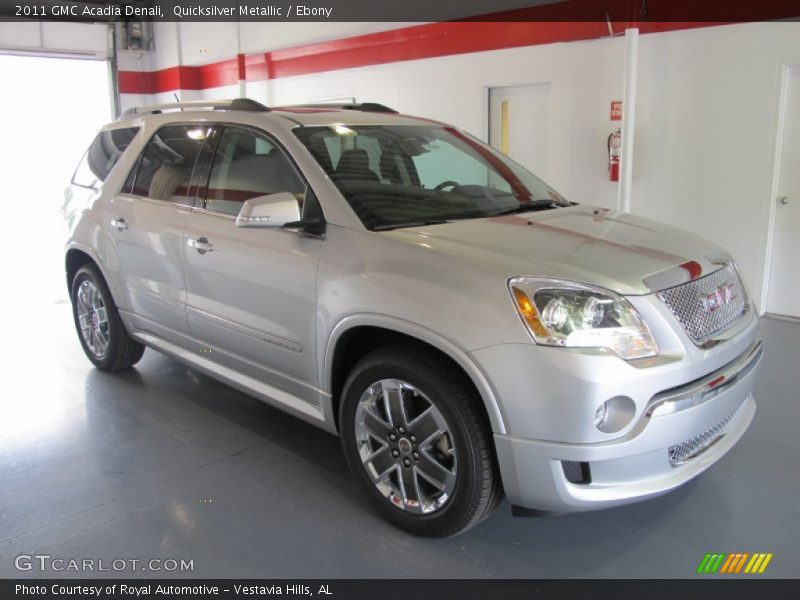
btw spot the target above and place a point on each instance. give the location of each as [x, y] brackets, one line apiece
[676, 434]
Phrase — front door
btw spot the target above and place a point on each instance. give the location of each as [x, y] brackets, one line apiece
[252, 292]
[784, 285]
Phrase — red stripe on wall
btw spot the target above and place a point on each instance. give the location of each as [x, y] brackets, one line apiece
[165, 80]
[179, 78]
[414, 43]
[218, 74]
[404, 44]
[134, 82]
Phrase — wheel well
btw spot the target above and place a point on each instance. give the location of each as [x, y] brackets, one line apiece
[75, 260]
[357, 342]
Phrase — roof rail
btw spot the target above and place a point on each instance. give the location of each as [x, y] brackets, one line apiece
[362, 106]
[236, 104]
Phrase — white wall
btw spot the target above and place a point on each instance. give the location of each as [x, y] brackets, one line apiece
[706, 116]
[706, 133]
[198, 43]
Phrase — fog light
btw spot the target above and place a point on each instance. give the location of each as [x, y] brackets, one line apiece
[600, 415]
[615, 414]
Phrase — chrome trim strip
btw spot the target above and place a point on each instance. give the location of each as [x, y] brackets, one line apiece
[703, 390]
[211, 213]
[256, 334]
[143, 325]
[165, 203]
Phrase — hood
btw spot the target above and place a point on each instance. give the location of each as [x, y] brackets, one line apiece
[618, 251]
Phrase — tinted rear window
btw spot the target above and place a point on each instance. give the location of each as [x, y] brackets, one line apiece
[102, 155]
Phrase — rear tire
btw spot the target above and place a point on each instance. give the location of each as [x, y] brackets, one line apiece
[438, 445]
[100, 330]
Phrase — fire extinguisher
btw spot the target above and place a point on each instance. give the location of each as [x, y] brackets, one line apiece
[614, 145]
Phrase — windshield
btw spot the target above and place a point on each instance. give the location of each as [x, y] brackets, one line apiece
[404, 175]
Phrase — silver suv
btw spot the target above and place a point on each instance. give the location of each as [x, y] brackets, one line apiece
[463, 328]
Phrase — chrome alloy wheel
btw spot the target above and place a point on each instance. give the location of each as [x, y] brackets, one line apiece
[405, 446]
[93, 318]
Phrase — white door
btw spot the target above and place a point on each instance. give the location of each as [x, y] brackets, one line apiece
[784, 286]
[519, 125]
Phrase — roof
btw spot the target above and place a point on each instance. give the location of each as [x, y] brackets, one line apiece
[306, 115]
[328, 116]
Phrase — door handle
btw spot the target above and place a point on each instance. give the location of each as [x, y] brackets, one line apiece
[784, 200]
[202, 245]
[119, 224]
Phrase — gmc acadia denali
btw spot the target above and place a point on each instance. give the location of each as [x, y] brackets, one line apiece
[464, 329]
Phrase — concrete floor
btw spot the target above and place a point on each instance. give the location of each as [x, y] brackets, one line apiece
[161, 461]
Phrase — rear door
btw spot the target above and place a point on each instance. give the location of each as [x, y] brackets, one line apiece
[146, 223]
[251, 293]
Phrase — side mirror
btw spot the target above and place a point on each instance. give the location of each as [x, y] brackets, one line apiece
[272, 210]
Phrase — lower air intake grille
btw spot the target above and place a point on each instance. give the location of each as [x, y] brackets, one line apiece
[685, 451]
[576, 472]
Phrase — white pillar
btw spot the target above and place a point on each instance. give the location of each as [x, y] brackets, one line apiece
[628, 119]
[179, 45]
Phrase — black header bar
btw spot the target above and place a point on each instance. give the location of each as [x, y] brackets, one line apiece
[403, 589]
[401, 11]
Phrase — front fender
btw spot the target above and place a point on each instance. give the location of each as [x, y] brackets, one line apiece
[327, 353]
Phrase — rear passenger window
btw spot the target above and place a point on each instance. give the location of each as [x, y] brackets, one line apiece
[102, 155]
[165, 167]
[246, 165]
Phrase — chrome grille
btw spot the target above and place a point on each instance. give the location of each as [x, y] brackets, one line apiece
[685, 451]
[707, 306]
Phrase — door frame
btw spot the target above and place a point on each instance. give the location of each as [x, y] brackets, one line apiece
[785, 65]
[486, 104]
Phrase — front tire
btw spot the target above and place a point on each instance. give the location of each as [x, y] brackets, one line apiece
[418, 442]
[100, 330]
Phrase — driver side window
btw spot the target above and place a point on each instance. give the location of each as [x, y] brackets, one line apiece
[246, 165]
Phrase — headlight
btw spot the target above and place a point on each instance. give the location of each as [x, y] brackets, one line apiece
[575, 315]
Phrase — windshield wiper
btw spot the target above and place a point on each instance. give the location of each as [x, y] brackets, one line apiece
[389, 226]
[529, 207]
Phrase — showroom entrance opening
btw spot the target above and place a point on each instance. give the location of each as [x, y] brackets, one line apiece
[784, 285]
[52, 108]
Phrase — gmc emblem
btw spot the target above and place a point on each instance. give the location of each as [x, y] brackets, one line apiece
[720, 297]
